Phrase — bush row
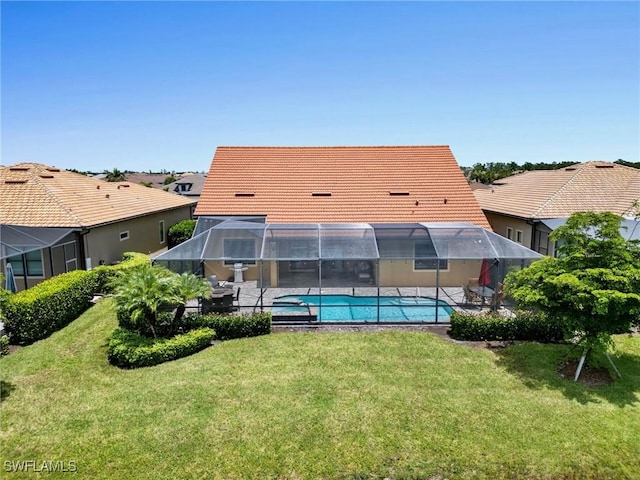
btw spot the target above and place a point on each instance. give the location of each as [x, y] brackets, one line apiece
[228, 327]
[39, 311]
[527, 326]
[129, 349]
[4, 345]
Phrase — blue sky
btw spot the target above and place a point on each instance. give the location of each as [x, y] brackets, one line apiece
[159, 85]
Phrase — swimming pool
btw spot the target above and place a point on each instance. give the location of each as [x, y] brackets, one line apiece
[347, 308]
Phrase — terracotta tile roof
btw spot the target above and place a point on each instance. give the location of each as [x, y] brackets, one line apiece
[340, 184]
[36, 195]
[590, 186]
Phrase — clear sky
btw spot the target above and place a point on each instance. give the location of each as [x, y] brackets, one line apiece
[159, 85]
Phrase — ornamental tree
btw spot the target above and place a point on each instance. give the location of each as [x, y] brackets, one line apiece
[593, 288]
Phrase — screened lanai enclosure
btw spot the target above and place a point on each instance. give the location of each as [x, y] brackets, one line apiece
[360, 273]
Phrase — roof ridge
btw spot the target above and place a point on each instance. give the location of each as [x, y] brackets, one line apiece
[579, 167]
[54, 197]
[331, 146]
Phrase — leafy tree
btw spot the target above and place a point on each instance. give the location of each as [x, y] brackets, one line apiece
[115, 175]
[143, 293]
[593, 288]
[146, 184]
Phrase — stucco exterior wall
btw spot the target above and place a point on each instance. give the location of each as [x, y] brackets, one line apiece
[105, 244]
[500, 223]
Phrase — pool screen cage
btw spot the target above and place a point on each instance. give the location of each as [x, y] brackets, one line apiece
[338, 272]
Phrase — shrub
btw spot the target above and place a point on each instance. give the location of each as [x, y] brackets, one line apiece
[526, 326]
[4, 345]
[39, 311]
[107, 273]
[129, 349]
[180, 232]
[228, 327]
[145, 293]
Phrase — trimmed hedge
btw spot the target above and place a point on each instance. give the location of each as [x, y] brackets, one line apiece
[180, 232]
[526, 326]
[107, 273]
[39, 311]
[4, 345]
[129, 349]
[228, 327]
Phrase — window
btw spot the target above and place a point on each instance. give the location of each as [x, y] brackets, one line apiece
[124, 235]
[510, 233]
[519, 236]
[161, 225]
[424, 249]
[240, 250]
[34, 264]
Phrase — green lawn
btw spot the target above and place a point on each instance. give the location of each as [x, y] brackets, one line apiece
[401, 405]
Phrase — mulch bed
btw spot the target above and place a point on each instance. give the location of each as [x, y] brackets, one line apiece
[590, 376]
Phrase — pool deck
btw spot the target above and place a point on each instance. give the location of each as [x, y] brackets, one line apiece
[250, 300]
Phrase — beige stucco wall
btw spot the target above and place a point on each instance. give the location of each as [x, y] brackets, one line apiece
[103, 243]
[396, 273]
[500, 223]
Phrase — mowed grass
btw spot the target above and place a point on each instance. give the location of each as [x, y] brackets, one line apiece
[392, 404]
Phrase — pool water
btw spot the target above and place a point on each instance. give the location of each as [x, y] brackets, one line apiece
[346, 308]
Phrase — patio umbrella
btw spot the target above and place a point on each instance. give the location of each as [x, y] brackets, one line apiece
[10, 279]
[484, 279]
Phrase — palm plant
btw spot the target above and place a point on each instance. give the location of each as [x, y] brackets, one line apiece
[143, 293]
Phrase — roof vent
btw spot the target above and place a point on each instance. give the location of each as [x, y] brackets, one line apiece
[18, 169]
[15, 182]
[320, 194]
[46, 176]
[604, 166]
[398, 193]
[245, 194]
[125, 185]
[53, 169]
[570, 169]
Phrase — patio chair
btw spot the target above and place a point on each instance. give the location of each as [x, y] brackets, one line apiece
[498, 297]
[469, 296]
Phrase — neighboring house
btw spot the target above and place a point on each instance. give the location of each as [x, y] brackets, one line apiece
[189, 185]
[98, 220]
[520, 207]
[155, 180]
[394, 189]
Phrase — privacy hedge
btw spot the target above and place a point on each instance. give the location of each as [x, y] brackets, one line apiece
[525, 325]
[129, 349]
[39, 311]
[228, 327]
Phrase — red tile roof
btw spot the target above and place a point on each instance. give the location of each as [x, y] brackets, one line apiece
[37, 195]
[590, 186]
[340, 184]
